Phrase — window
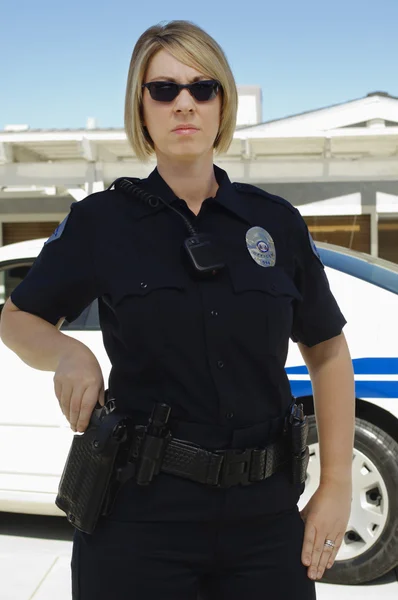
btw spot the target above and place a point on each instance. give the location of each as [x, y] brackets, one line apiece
[10, 277]
[20, 232]
[388, 238]
[351, 231]
[87, 321]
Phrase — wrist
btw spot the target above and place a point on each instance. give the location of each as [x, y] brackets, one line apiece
[342, 477]
[72, 348]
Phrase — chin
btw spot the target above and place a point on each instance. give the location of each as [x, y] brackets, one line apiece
[189, 150]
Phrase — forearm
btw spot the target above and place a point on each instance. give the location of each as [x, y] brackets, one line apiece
[334, 399]
[37, 343]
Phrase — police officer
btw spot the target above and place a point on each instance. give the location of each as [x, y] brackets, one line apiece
[212, 344]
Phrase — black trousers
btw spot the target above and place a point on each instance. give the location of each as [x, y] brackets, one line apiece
[245, 559]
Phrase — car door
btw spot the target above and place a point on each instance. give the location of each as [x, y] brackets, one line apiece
[34, 434]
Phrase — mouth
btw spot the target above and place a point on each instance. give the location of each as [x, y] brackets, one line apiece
[185, 130]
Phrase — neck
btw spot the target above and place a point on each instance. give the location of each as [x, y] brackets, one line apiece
[191, 181]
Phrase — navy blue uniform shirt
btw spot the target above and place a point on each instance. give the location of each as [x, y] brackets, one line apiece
[213, 349]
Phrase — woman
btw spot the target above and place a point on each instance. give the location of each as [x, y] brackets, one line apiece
[212, 347]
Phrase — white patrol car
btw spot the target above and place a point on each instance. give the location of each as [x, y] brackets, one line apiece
[35, 436]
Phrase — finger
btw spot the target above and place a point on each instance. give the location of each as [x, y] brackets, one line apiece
[58, 393]
[325, 556]
[64, 400]
[308, 543]
[74, 406]
[101, 395]
[329, 554]
[338, 541]
[87, 404]
[316, 553]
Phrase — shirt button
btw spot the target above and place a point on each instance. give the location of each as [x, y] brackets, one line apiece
[143, 285]
[214, 313]
[220, 364]
[229, 415]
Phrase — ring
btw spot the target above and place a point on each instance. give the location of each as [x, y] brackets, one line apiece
[329, 543]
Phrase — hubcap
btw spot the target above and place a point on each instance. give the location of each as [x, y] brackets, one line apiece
[369, 508]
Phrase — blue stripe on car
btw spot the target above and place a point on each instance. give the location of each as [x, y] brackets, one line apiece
[362, 366]
[363, 389]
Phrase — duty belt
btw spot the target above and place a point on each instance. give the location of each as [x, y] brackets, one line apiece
[113, 449]
[219, 468]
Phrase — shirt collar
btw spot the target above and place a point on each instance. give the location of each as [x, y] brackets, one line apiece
[227, 195]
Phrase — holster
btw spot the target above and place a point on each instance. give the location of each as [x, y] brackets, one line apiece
[296, 425]
[87, 488]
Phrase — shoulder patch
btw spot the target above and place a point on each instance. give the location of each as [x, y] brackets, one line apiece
[253, 189]
[58, 231]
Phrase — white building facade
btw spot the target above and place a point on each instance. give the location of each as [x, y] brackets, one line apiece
[338, 165]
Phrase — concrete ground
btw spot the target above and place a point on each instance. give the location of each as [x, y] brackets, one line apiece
[35, 557]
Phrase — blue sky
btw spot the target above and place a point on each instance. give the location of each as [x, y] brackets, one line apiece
[62, 62]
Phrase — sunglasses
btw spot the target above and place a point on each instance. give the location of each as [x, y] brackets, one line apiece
[167, 91]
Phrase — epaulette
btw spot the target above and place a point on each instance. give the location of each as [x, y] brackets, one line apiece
[253, 189]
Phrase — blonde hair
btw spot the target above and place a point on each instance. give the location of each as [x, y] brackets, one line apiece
[192, 46]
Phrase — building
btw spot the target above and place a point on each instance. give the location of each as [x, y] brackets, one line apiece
[338, 165]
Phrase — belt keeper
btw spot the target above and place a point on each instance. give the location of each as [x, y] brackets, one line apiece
[258, 462]
[299, 466]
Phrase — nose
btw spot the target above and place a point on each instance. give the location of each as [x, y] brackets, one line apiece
[184, 102]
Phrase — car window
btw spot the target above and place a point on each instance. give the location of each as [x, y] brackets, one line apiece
[11, 275]
[78, 324]
[92, 322]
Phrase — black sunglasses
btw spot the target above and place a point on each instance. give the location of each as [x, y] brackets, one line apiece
[167, 91]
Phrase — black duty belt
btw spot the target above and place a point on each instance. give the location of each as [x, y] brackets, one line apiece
[220, 468]
[113, 449]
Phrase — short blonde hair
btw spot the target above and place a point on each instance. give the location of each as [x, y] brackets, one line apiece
[192, 46]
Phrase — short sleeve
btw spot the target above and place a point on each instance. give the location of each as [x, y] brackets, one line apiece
[317, 317]
[62, 281]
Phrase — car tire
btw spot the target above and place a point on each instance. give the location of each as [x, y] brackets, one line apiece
[382, 556]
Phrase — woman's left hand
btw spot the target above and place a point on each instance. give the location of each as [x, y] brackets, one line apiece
[326, 518]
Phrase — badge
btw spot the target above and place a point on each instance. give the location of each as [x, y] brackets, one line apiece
[58, 232]
[314, 248]
[261, 246]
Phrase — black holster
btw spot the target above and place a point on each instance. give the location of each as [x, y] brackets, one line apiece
[88, 487]
[296, 425]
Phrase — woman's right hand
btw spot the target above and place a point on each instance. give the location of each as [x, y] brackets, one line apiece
[79, 384]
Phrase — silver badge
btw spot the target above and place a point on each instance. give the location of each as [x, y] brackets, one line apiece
[261, 246]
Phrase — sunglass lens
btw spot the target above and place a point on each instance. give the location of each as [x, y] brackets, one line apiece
[204, 90]
[164, 92]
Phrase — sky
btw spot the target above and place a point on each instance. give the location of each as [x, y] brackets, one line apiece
[63, 62]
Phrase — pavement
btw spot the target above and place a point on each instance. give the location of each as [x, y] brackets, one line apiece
[35, 555]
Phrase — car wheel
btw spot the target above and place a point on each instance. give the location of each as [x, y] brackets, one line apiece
[370, 545]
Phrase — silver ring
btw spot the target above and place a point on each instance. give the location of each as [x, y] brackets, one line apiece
[329, 543]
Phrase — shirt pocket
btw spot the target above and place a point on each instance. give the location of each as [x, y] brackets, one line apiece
[265, 298]
[146, 307]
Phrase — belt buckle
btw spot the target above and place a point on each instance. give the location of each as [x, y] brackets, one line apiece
[235, 467]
